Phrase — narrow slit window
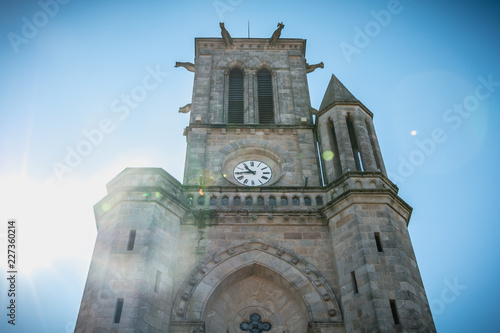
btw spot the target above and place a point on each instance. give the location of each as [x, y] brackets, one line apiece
[158, 281]
[354, 283]
[337, 168]
[354, 144]
[118, 310]
[131, 240]
[394, 310]
[265, 97]
[377, 241]
[235, 100]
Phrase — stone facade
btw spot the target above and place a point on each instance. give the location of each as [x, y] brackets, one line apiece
[322, 247]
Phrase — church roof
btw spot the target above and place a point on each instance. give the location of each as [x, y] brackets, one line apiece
[337, 93]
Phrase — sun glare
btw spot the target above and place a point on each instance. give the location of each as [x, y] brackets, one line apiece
[52, 219]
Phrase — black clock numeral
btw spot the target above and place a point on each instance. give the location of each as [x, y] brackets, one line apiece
[259, 164]
[264, 177]
[266, 173]
[253, 183]
[260, 181]
[239, 168]
[264, 168]
[240, 177]
[251, 163]
[246, 181]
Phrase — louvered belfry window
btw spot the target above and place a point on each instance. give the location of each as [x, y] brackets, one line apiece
[265, 94]
[235, 105]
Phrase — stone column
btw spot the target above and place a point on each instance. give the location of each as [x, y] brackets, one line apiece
[375, 146]
[364, 144]
[251, 105]
[326, 145]
[343, 141]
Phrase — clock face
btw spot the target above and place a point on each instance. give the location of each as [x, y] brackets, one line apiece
[252, 173]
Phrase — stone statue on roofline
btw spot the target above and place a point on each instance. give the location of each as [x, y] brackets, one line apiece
[276, 35]
[228, 41]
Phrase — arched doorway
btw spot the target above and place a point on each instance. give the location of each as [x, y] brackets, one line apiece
[255, 278]
[255, 289]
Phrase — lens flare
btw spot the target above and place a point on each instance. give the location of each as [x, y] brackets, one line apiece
[413, 132]
[105, 207]
[327, 155]
[201, 191]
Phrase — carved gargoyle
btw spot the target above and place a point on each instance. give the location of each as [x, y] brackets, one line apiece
[187, 65]
[185, 109]
[228, 41]
[311, 68]
[276, 35]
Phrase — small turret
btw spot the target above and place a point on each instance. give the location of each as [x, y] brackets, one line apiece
[346, 134]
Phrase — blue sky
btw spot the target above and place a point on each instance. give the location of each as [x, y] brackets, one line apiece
[427, 66]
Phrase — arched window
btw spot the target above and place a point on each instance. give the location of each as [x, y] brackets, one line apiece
[284, 201]
[248, 201]
[237, 201]
[235, 101]
[225, 201]
[265, 97]
[272, 201]
[189, 200]
[307, 201]
[319, 201]
[201, 200]
[213, 201]
[295, 201]
[260, 201]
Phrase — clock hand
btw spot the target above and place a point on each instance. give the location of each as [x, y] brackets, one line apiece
[244, 172]
[246, 167]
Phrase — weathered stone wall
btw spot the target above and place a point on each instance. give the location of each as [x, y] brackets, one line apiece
[141, 275]
[294, 150]
[380, 275]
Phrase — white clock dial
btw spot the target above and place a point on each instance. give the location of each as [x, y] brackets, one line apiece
[252, 173]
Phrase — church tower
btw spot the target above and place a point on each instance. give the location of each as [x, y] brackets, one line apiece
[285, 220]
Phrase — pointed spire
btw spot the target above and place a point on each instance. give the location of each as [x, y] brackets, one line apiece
[337, 93]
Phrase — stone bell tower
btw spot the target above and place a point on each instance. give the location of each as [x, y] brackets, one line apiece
[285, 220]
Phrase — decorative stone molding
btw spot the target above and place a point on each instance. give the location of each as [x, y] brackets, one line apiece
[313, 290]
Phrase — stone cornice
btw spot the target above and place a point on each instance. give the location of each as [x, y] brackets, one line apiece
[250, 44]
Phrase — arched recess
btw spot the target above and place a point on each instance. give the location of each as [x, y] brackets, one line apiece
[260, 263]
